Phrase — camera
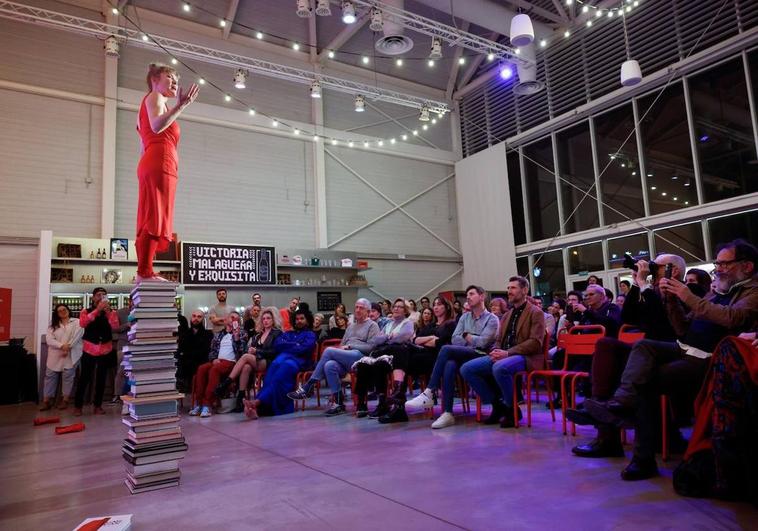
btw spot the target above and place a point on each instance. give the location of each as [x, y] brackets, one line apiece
[631, 263]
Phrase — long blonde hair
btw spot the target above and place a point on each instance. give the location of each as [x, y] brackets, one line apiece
[274, 312]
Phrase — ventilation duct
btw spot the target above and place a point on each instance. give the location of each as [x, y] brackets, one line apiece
[527, 74]
[394, 42]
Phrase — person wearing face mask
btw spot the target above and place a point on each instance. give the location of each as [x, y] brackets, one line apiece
[193, 347]
[677, 368]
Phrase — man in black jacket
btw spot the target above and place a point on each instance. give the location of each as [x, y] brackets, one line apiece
[644, 309]
[194, 345]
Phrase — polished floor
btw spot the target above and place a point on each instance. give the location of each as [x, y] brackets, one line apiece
[304, 471]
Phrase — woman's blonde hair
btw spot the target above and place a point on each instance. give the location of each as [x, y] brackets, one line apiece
[156, 69]
[274, 312]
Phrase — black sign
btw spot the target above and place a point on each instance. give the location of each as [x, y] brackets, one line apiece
[327, 301]
[223, 264]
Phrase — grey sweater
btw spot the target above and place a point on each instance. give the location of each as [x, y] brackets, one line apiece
[358, 336]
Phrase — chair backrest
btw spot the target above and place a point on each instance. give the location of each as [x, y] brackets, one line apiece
[546, 350]
[630, 334]
[326, 343]
[580, 341]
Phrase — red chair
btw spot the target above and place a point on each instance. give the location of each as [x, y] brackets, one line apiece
[580, 341]
[630, 334]
[303, 376]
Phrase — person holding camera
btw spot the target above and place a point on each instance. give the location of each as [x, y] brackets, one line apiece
[226, 348]
[677, 368]
[644, 309]
[99, 322]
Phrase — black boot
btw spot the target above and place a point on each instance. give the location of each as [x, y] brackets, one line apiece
[399, 390]
[223, 387]
[362, 410]
[381, 409]
[496, 414]
[396, 414]
[239, 407]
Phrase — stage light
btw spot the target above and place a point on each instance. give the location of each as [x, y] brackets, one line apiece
[323, 9]
[424, 115]
[348, 12]
[506, 72]
[436, 50]
[240, 77]
[360, 103]
[303, 9]
[315, 89]
[111, 46]
[377, 19]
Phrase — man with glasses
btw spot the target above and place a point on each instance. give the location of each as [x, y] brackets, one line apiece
[677, 368]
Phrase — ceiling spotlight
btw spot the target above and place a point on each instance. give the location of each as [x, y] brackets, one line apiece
[434, 121]
[360, 103]
[227, 98]
[365, 59]
[201, 81]
[404, 137]
[506, 72]
[518, 51]
[598, 13]
[174, 61]
[350, 144]
[636, 3]
[610, 14]
[653, 187]
[222, 23]
[296, 132]
[365, 143]
[543, 43]
[424, 115]
[490, 57]
[440, 115]
[628, 9]
[569, 2]
[415, 132]
[585, 8]
[461, 60]
[295, 46]
[251, 112]
[664, 194]
[589, 23]
[145, 37]
[348, 12]
[687, 182]
[380, 143]
[114, 11]
[392, 140]
[567, 34]
[315, 138]
[304, 8]
[330, 54]
[430, 63]
[258, 35]
[111, 46]
[239, 78]
[686, 202]
[186, 7]
[323, 9]
[436, 50]
[274, 123]
[398, 62]
[334, 141]
[424, 127]
[377, 20]
[315, 89]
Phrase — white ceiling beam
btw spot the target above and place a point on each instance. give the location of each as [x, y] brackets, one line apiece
[456, 67]
[347, 33]
[231, 14]
[559, 8]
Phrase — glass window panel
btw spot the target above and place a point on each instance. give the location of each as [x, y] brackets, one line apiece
[684, 240]
[540, 187]
[587, 257]
[724, 132]
[726, 229]
[636, 245]
[522, 266]
[516, 198]
[667, 151]
[621, 191]
[548, 276]
[575, 166]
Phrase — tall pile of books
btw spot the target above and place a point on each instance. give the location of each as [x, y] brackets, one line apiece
[154, 444]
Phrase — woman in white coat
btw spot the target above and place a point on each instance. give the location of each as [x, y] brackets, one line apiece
[64, 348]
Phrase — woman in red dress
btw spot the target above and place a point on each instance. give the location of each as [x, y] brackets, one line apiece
[158, 165]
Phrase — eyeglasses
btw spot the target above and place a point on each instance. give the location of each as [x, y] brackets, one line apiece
[726, 263]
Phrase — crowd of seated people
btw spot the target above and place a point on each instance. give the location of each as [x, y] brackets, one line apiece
[699, 342]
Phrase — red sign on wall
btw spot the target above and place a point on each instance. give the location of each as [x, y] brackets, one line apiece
[5, 314]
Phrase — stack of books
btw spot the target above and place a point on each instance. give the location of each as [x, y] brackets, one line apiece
[154, 444]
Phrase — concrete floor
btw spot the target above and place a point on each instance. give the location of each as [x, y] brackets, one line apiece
[309, 472]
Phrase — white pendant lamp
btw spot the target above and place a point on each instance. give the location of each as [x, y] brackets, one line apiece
[522, 31]
[631, 74]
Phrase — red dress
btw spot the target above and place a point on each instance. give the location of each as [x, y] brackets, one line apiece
[157, 173]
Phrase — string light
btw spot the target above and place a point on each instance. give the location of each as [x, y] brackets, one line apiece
[227, 98]
[330, 54]
[295, 46]
[258, 35]
[222, 23]
[399, 62]
[186, 7]
[365, 59]
[251, 112]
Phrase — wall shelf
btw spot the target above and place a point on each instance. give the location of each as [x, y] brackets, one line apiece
[108, 261]
[324, 268]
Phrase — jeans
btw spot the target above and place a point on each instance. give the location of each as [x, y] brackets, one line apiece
[646, 356]
[493, 381]
[333, 365]
[450, 358]
[51, 383]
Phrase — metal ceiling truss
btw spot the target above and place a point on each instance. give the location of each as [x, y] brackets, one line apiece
[35, 15]
[452, 36]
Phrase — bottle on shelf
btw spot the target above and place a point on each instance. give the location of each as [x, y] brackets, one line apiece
[82, 280]
[99, 256]
[104, 255]
[92, 254]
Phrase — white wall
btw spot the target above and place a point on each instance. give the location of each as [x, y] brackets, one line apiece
[485, 223]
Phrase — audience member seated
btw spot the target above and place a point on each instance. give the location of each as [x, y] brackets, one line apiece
[226, 348]
[292, 353]
[260, 354]
[593, 280]
[376, 314]
[193, 347]
[457, 309]
[425, 318]
[498, 307]
[64, 348]
[699, 281]
[250, 319]
[474, 337]
[338, 310]
[372, 370]
[387, 308]
[624, 287]
[414, 312]
[677, 368]
[620, 299]
[287, 314]
[424, 302]
[720, 461]
[518, 348]
[336, 362]
[558, 311]
[644, 309]
[318, 326]
[339, 328]
[548, 316]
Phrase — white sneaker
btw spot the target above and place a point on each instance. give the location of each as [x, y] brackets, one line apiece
[423, 400]
[205, 413]
[195, 411]
[445, 420]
